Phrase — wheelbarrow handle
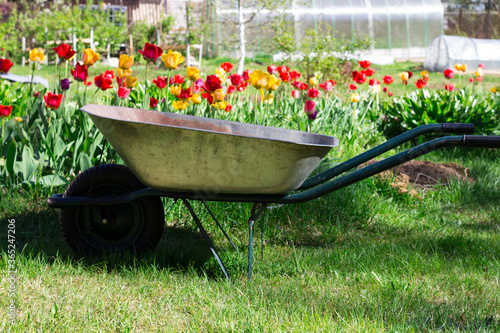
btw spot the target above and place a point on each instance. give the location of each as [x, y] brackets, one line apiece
[459, 128]
[482, 141]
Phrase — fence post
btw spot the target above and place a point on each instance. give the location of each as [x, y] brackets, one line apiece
[92, 39]
[73, 36]
[131, 45]
[47, 47]
[23, 43]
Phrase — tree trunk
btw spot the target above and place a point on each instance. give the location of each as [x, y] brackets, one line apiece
[241, 23]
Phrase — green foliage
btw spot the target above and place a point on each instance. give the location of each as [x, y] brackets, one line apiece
[427, 107]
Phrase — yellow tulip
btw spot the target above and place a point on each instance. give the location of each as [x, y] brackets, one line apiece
[218, 95]
[125, 61]
[259, 79]
[479, 72]
[402, 75]
[268, 99]
[90, 57]
[123, 72]
[36, 55]
[221, 74]
[273, 83]
[130, 81]
[172, 59]
[376, 88]
[461, 67]
[494, 90]
[220, 105]
[196, 98]
[180, 105]
[175, 90]
[424, 74]
[193, 73]
[18, 119]
[313, 81]
[355, 97]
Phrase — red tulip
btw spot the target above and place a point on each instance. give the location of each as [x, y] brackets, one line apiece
[365, 63]
[228, 67]
[286, 76]
[152, 102]
[103, 82]
[160, 82]
[359, 77]
[52, 101]
[313, 92]
[179, 79]
[282, 69]
[272, 69]
[295, 93]
[481, 66]
[212, 83]
[80, 73]
[5, 65]
[309, 107]
[449, 87]
[185, 94]
[5, 110]
[228, 108]
[448, 73]
[294, 75]
[302, 86]
[479, 78]
[410, 74]
[231, 89]
[471, 80]
[246, 75]
[236, 79]
[353, 87]
[208, 96]
[373, 81]
[389, 94]
[388, 79]
[64, 51]
[420, 83]
[123, 92]
[36, 94]
[109, 74]
[151, 52]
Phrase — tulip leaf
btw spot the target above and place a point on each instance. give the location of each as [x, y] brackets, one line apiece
[52, 180]
[11, 157]
[84, 162]
[145, 102]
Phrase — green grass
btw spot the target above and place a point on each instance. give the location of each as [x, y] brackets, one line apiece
[363, 259]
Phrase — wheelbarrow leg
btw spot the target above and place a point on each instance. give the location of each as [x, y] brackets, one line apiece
[257, 211]
[206, 237]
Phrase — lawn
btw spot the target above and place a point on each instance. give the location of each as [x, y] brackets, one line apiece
[364, 259]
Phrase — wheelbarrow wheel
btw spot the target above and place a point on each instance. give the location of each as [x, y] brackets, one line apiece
[98, 229]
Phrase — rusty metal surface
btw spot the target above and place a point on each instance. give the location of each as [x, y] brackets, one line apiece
[177, 152]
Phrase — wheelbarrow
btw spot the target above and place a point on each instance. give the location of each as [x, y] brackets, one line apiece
[114, 208]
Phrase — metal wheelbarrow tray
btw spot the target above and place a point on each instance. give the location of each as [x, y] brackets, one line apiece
[112, 209]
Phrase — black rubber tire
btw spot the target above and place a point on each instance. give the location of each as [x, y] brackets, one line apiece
[95, 230]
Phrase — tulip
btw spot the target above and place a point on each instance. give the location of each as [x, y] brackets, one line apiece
[109, 74]
[369, 71]
[410, 74]
[479, 72]
[80, 73]
[196, 98]
[388, 79]
[389, 94]
[236, 79]
[359, 77]
[123, 92]
[52, 101]
[272, 69]
[130, 81]
[208, 97]
[152, 102]
[221, 74]
[102, 82]
[268, 99]
[448, 73]
[227, 67]
[5, 110]
[294, 75]
[479, 78]
[295, 93]
[302, 86]
[231, 89]
[259, 79]
[160, 82]
[64, 51]
[313, 92]
[449, 87]
[36, 55]
[212, 83]
[5, 65]
[179, 79]
[353, 87]
[494, 89]
[218, 95]
[65, 84]
[90, 57]
[354, 98]
[461, 67]
[172, 59]
[180, 105]
[375, 88]
[286, 76]
[328, 85]
[273, 83]
[404, 76]
[365, 63]
[36, 94]
[228, 108]
[192, 73]
[246, 75]
[420, 83]
[220, 105]
[121, 73]
[425, 75]
[18, 119]
[282, 69]
[471, 80]
[125, 62]
[373, 82]
[175, 90]
[185, 94]
[151, 52]
[310, 110]
[313, 81]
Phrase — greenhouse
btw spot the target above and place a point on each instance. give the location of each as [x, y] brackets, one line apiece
[446, 51]
[399, 28]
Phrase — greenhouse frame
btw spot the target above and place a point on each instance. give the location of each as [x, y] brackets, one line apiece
[399, 28]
